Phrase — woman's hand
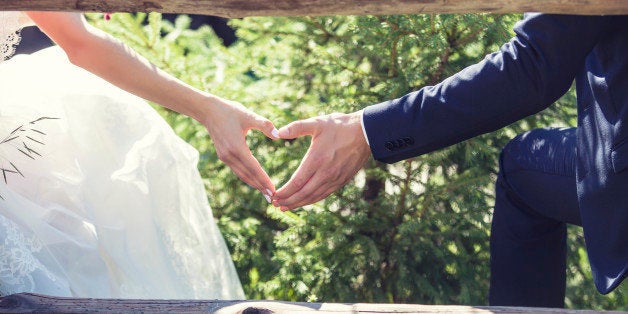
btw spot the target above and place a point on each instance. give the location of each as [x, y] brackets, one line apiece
[228, 123]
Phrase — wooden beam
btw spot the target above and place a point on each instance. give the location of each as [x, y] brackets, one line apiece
[243, 8]
[28, 302]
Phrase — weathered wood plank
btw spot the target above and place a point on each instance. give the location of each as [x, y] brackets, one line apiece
[28, 302]
[242, 8]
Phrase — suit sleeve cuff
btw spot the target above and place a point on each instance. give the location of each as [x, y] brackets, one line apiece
[384, 124]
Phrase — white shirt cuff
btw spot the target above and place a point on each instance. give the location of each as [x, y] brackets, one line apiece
[363, 129]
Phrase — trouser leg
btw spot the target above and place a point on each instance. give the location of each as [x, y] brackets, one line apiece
[535, 198]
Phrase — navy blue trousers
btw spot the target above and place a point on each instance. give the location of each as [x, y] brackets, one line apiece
[535, 199]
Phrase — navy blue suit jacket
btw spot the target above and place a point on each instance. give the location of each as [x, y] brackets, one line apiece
[528, 74]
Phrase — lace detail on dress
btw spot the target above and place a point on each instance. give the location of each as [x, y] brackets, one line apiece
[7, 48]
[17, 263]
[10, 27]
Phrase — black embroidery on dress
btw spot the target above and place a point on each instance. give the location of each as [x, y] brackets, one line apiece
[23, 141]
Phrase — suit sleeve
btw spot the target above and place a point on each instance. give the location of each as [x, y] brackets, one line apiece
[525, 76]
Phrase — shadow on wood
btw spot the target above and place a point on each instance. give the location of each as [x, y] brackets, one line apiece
[29, 302]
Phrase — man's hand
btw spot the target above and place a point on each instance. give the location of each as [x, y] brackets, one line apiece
[228, 122]
[338, 150]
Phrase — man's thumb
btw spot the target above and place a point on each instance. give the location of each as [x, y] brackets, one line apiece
[296, 129]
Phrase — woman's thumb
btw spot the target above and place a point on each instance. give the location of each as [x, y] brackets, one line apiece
[268, 128]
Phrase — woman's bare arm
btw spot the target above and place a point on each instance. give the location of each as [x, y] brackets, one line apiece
[226, 121]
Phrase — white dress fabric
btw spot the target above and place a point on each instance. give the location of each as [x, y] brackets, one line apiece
[98, 197]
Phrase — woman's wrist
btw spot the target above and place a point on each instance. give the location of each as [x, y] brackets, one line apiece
[201, 107]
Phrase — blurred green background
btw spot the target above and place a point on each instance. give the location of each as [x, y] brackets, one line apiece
[413, 232]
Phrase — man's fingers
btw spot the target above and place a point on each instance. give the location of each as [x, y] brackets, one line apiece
[306, 170]
[325, 181]
[294, 185]
[298, 128]
[315, 190]
[301, 195]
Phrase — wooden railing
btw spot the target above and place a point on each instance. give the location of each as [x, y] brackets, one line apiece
[242, 8]
[27, 302]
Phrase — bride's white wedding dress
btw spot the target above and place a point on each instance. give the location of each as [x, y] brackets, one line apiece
[98, 196]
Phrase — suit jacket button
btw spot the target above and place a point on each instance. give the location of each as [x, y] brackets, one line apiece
[408, 140]
[390, 146]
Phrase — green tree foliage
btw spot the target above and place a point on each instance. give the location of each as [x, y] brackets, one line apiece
[413, 232]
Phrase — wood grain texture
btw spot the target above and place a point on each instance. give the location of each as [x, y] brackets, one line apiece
[243, 8]
[28, 302]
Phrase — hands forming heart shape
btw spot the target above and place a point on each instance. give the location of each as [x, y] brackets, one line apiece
[337, 151]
